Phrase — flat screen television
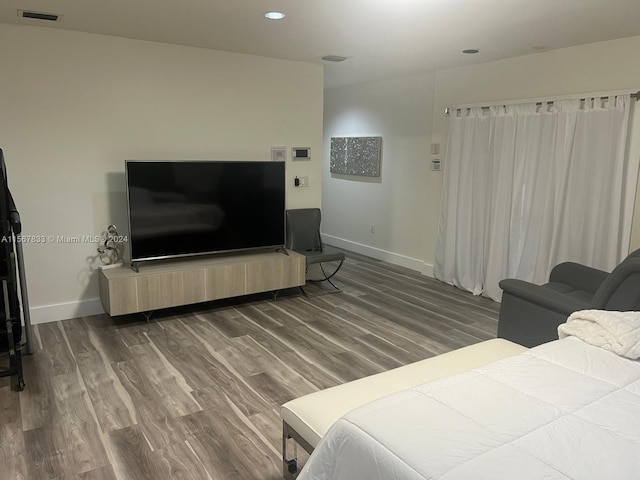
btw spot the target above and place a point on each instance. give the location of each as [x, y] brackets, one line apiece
[186, 208]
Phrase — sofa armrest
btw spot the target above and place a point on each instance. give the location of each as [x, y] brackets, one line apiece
[541, 296]
[578, 276]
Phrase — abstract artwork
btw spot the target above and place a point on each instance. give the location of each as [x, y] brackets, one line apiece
[356, 156]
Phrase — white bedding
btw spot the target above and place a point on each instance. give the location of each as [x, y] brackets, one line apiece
[563, 410]
[618, 332]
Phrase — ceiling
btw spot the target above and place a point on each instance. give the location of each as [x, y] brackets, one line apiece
[381, 38]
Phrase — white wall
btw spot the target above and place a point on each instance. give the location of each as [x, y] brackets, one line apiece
[412, 200]
[399, 111]
[74, 106]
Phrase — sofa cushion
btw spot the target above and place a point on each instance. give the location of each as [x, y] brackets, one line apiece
[580, 295]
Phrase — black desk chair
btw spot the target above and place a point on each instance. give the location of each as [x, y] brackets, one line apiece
[303, 236]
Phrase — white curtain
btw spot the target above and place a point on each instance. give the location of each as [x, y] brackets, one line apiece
[528, 186]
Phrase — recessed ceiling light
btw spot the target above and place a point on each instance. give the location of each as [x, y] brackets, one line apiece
[275, 15]
[470, 50]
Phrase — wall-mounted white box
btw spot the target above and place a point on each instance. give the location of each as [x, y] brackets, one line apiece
[279, 154]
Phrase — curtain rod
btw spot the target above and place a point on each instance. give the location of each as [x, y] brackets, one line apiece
[635, 95]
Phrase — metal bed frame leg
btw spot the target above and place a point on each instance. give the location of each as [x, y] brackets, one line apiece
[289, 465]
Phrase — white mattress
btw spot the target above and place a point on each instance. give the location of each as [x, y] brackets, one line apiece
[312, 415]
[563, 410]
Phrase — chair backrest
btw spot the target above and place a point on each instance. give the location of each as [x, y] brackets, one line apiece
[621, 288]
[303, 230]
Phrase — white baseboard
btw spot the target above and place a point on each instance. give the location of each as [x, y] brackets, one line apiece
[64, 311]
[427, 270]
[395, 258]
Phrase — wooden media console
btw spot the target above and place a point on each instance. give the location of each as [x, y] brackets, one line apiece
[173, 283]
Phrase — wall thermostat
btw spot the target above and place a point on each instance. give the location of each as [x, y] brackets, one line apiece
[301, 153]
[278, 154]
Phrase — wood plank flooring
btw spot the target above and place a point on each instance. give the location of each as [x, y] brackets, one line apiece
[194, 394]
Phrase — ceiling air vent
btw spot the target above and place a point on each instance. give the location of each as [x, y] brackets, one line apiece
[50, 17]
[334, 58]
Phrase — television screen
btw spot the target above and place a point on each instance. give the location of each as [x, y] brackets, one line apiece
[197, 207]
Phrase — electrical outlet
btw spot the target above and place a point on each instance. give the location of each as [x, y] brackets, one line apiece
[373, 229]
[304, 181]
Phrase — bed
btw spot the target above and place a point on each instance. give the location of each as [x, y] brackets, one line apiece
[564, 410]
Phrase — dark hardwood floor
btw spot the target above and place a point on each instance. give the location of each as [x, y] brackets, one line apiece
[194, 394]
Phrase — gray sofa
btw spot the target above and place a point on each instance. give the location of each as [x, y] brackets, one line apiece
[530, 313]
